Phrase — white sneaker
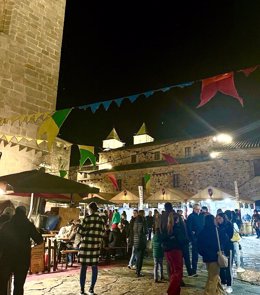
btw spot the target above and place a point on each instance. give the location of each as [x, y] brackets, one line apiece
[240, 269]
[229, 290]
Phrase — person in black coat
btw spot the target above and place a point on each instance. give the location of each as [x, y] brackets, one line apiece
[139, 241]
[208, 249]
[115, 237]
[15, 249]
[194, 226]
[226, 228]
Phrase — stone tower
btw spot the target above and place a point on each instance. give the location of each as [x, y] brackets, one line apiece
[30, 48]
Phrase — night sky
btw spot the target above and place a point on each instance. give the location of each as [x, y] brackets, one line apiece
[112, 49]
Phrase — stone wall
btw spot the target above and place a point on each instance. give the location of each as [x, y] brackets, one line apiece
[230, 166]
[30, 48]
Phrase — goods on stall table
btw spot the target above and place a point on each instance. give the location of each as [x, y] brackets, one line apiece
[37, 259]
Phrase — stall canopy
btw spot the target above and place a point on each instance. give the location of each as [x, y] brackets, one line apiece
[168, 195]
[37, 181]
[97, 200]
[125, 197]
[212, 193]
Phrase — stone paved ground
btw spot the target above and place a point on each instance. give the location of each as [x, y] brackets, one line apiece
[117, 279]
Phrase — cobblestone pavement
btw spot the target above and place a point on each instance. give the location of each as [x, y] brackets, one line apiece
[117, 279]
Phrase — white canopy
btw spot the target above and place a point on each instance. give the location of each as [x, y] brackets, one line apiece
[125, 197]
[168, 195]
[212, 193]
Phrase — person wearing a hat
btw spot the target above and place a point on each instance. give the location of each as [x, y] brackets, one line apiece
[91, 231]
[15, 249]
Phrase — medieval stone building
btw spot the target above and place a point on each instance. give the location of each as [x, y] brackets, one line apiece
[187, 164]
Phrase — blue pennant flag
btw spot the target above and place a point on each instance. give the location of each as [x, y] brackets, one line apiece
[119, 101]
[94, 107]
[107, 104]
[184, 84]
[165, 89]
[84, 107]
[148, 93]
[133, 98]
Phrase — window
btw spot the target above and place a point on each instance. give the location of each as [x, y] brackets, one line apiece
[133, 159]
[176, 180]
[157, 156]
[257, 167]
[188, 152]
[119, 183]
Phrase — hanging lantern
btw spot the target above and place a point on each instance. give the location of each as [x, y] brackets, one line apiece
[210, 192]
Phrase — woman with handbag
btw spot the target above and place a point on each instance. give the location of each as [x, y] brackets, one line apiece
[208, 247]
[226, 228]
[235, 240]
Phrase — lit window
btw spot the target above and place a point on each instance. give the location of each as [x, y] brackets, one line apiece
[157, 156]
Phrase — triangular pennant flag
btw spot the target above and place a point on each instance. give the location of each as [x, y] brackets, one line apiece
[39, 141]
[18, 138]
[29, 138]
[47, 114]
[63, 173]
[147, 181]
[248, 71]
[94, 107]
[186, 84]
[51, 125]
[148, 93]
[86, 152]
[119, 101]
[36, 117]
[223, 83]
[113, 180]
[133, 98]
[169, 159]
[21, 147]
[8, 137]
[165, 89]
[107, 104]
[28, 149]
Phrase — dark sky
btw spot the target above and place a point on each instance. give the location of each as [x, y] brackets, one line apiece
[113, 49]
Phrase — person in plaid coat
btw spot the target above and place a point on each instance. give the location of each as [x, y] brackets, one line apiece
[91, 231]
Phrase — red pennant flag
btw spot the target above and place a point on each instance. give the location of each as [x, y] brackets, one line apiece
[169, 159]
[113, 180]
[248, 71]
[223, 83]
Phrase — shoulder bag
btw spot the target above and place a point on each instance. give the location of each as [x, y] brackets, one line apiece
[222, 259]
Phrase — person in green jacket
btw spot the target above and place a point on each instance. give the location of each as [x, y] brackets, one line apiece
[116, 217]
[157, 256]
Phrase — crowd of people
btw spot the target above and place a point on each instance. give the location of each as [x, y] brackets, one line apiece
[169, 233]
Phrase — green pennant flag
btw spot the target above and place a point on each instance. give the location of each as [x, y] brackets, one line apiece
[52, 125]
[147, 181]
[63, 173]
[86, 152]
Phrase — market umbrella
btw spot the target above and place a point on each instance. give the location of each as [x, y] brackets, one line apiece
[168, 195]
[39, 182]
[212, 193]
[125, 197]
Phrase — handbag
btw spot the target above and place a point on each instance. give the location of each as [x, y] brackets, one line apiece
[222, 259]
[236, 236]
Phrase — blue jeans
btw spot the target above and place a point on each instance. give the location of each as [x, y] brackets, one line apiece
[158, 266]
[132, 260]
[83, 273]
